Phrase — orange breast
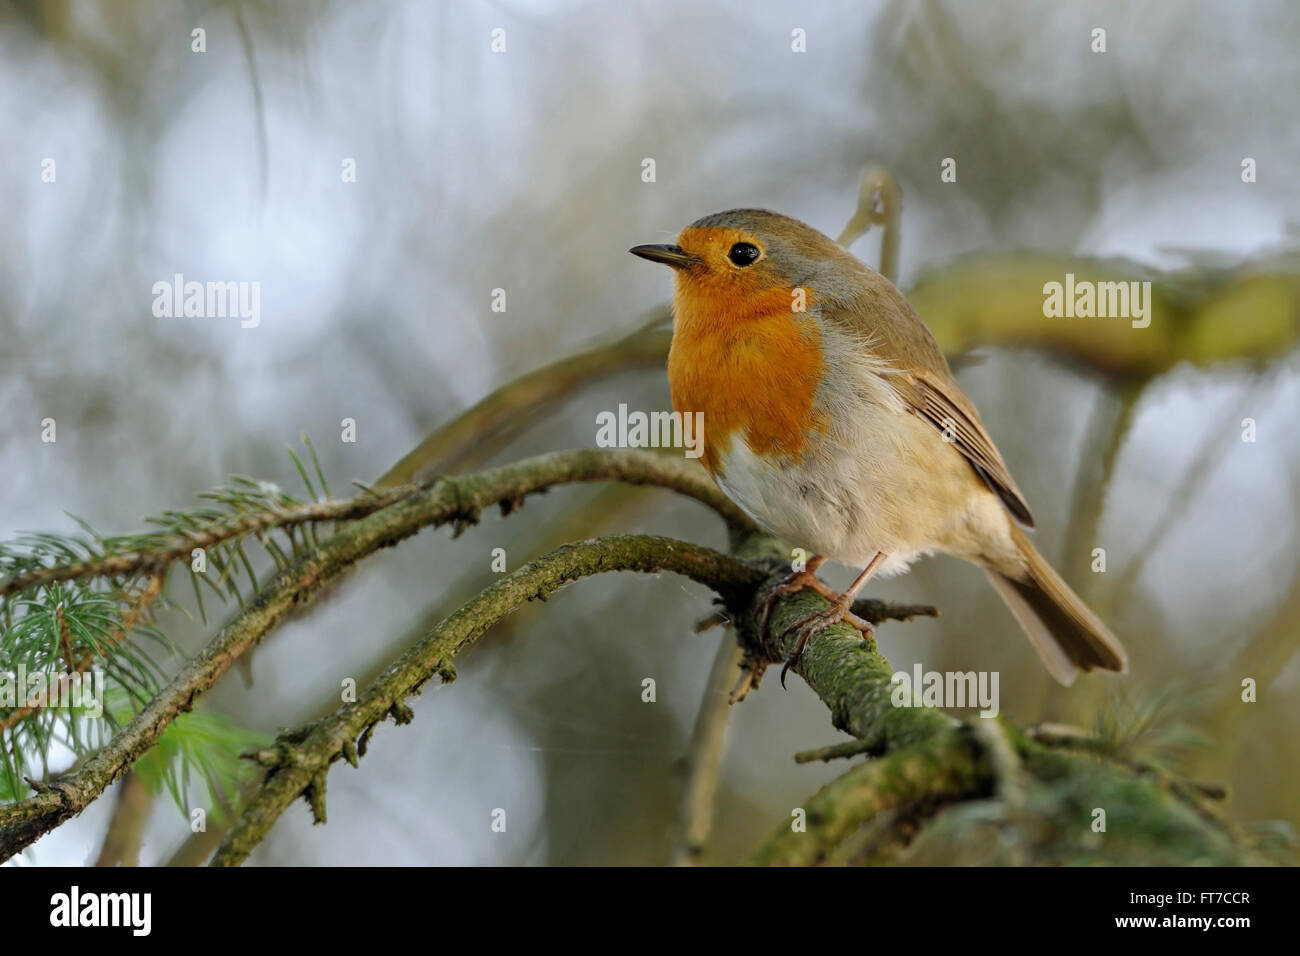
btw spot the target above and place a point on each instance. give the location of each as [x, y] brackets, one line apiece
[753, 372]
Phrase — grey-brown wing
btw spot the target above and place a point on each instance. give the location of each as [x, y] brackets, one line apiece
[873, 308]
[957, 419]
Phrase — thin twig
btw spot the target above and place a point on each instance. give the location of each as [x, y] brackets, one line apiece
[126, 828]
[880, 202]
[178, 547]
[849, 748]
[137, 607]
[708, 746]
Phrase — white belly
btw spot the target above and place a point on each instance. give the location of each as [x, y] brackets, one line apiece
[880, 480]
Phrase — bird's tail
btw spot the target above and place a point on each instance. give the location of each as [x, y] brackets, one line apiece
[1065, 633]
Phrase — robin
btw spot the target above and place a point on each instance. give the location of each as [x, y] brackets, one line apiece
[832, 418]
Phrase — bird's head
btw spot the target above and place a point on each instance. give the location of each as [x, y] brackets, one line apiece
[744, 263]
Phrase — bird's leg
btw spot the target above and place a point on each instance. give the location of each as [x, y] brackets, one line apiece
[792, 583]
[838, 611]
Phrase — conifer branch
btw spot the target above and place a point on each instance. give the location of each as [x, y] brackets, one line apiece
[152, 552]
[460, 500]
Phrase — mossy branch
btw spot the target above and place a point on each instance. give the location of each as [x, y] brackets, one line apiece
[943, 790]
[298, 764]
[301, 759]
[932, 773]
[847, 672]
[459, 500]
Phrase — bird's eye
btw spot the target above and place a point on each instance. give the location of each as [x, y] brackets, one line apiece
[743, 254]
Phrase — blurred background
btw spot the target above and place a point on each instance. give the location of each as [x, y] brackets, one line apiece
[522, 170]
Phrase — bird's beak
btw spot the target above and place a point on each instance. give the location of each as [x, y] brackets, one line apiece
[669, 255]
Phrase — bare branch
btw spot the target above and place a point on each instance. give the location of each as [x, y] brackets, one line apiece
[708, 742]
[126, 829]
[510, 408]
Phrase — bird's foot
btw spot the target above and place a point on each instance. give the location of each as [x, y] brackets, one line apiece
[792, 584]
[814, 624]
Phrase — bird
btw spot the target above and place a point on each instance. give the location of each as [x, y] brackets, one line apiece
[832, 418]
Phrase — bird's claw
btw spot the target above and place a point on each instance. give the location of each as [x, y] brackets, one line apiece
[814, 624]
[792, 584]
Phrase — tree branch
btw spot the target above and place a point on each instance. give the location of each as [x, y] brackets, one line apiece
[944, 767]
[126, 829]
[504, 412]
[1025, 800]
[178, 547]
[704, 765]
[301, 759]
[459, 500]
[880, 203]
